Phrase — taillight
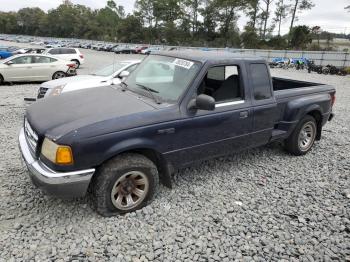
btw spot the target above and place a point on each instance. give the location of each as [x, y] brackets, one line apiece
[81, 56]
[332, 99]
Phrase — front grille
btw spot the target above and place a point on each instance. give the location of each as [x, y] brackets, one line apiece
[31, 136]
[42, 91]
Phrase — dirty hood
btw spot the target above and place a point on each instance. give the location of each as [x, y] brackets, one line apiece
[56, 116]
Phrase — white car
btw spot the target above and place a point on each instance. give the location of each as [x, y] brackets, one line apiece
[34, 67]
[66, 53]
[109, 75]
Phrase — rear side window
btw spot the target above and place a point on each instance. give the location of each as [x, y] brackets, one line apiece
[68, 51]
[261, 81]
[54, 51]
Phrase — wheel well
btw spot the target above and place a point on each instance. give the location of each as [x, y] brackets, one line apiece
[318, 118]
[75, 60]
[165, 169]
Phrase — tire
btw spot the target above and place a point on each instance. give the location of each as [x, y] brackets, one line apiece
[325, 71]
[114, 184]
[1, 79]
[303, 137]
[58, 75]
[77, 63]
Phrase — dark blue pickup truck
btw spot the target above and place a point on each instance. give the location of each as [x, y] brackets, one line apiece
[175, 109]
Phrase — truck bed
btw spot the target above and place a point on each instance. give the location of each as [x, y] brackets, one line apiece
[285, 88]
[296, 95]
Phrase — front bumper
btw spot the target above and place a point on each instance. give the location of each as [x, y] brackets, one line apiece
[61, 184]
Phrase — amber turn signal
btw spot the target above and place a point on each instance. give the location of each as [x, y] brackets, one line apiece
[64, 155]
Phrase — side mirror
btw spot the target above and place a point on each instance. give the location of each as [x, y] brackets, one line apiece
[116, 81]
[202, 102]
[124, 74]
[9, 63]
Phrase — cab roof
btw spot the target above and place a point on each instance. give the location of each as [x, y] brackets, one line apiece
[209, 56]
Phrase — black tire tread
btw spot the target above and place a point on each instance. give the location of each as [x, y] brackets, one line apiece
[101, 180]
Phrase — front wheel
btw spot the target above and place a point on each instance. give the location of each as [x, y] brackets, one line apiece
[124, 184]
[303, 137]
[58, 75]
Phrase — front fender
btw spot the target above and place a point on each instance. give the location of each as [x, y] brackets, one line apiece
[129, 144]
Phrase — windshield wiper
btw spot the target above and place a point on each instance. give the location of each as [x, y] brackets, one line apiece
[150, 91]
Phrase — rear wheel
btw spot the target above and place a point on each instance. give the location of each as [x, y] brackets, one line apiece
[58, 75]
[303, 137]
[1, 79]
[77, 63]
[124, 184]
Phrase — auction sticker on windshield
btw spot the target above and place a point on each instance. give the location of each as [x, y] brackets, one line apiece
[183, 63]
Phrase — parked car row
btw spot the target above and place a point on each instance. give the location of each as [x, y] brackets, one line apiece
[127, 49]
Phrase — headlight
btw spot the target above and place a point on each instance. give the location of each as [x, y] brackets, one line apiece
[57, 90]
[61, 155]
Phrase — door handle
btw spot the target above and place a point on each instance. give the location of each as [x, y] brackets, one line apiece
[29, 67]
[243, 114]
[166, 131]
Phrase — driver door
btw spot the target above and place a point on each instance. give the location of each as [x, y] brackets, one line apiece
[227, 129]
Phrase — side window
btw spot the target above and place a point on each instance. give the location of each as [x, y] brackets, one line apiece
[222, 83]
[65, 51]
[54, 51]
[41, 59]
[22, 60]
[52, 60]
[261, 81]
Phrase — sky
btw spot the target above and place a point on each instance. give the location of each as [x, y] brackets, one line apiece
[330, 15]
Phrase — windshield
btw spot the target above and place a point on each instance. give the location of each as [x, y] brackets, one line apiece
[166, 77]
[110, 70]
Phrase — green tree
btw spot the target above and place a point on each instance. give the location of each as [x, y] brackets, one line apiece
[299, 5]
[144, 9]
[252, 10]
[250, 38]
[227, 12]
[300, 37]
[130, 30]
[28, 20]
[266, 15]
[280, 14]
[8, 23]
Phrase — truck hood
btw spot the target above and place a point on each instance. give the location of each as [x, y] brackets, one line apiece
[55, 117]
[81, 80]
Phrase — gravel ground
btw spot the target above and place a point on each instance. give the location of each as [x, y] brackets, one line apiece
[261, 205]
